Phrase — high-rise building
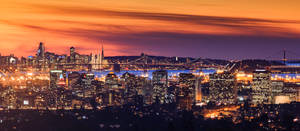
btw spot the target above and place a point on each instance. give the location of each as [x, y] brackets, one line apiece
[277, 90]
[40, 57]
[88, 89]
[187, 91]
[114, 93]
[72, 55]
[41, 51]
[292, 90]
[160, 85]
[222, 88]
[261, 87]
[129, 83]
[111, 81]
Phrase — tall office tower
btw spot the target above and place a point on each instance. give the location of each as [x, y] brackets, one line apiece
[88, 90]
[222, 88]
[114, 92]
[72, 55]
[160, 85]
[40, 57]
[129, 83]
[41, 51]
[198, 89]
[261, 87]
[145, 89]
[187, 91]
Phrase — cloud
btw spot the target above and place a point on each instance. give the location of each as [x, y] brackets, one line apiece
[257, 38]
[232, 22]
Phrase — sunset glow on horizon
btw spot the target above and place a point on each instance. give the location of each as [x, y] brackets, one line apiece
[129, 27]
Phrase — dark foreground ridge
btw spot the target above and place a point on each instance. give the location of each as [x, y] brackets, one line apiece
[150, 118]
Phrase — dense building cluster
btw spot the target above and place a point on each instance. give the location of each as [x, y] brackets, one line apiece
[59, 85]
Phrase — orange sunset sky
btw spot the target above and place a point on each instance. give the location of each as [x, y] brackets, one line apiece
[230, 29]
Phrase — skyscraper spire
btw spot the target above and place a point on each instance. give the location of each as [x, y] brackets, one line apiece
[102, 53]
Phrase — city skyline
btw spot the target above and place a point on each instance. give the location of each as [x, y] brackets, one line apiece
[207, 29]
[138, 65]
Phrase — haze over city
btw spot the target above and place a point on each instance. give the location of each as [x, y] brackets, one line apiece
[232, 29]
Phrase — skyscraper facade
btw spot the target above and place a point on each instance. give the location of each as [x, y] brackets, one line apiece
[222, 88]
[187, 91]
[261, 87]
[160, 85]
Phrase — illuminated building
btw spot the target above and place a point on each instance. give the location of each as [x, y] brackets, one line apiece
[198, 89]
[10, 60]
[243, 91]
[111, 81]
[145, 89]
[261, 87]
[57, 78]
[8, 98]
[277, 90]
[57, 87]
[133, 86]
[74, 80]
[187, 91]
[40, 57]
[98, 62]
[88, 89]
[160, 84]
[243, 84]
[114, 93]
[129, 82]
[171, 94]
[222, 88]
[292, 90]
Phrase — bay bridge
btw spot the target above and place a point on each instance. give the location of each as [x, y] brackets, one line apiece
[145, 62]
[284, 59]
